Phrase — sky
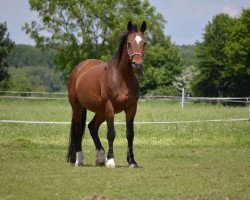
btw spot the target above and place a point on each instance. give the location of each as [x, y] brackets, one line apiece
[186, 19]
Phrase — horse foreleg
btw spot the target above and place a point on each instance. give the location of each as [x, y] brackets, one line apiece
[130, 114]
[109, 114]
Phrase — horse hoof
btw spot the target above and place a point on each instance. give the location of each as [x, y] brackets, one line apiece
[78, 164]
[134, 165]
[79, 158]
[110, 163]
[97, 163]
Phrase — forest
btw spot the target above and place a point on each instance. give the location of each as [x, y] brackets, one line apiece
[217, 66]
[32, 69]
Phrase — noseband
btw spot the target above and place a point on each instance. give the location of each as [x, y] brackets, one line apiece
[133, 54]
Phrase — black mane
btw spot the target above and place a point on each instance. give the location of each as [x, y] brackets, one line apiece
[122, 41]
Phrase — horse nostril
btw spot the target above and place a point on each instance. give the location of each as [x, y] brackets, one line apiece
[134, 65]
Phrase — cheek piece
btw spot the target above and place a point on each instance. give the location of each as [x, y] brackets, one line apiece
[133, 54]
[138, 68]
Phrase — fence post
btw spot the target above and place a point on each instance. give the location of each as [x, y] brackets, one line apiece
[248, 102]
[182, 98]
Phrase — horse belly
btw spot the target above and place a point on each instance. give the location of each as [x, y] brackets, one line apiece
[93, 104]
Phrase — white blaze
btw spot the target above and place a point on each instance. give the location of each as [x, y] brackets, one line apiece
[138, 39]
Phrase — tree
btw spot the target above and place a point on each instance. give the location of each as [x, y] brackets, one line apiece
[237, 49]
[224, 57]
[82, 29]
[5, 47]
[162, 65]
[212, 58]
[184, 79]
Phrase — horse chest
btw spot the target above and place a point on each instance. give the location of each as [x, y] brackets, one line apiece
[120, 102]
[121, 91]
[122, 98]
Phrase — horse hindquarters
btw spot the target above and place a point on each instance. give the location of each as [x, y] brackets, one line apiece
[75, 155]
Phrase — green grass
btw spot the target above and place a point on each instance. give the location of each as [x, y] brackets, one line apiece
[177, 161]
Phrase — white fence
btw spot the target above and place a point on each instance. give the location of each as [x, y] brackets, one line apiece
[182, 99]
[64, 95]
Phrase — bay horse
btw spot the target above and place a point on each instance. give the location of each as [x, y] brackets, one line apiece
[107, 88]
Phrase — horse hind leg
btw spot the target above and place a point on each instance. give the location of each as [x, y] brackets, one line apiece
[75, 155]
[93, 128]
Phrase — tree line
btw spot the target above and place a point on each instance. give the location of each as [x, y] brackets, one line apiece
[71, 31]
[224, 57]
[31, 69]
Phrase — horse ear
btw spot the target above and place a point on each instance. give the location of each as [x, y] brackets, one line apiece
[130, 26]
[143, 26]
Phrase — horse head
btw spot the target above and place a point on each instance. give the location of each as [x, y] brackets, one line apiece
[135, 46]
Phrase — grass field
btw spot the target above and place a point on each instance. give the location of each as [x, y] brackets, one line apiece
[209, 160]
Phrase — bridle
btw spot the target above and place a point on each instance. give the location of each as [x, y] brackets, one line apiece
[133, 54]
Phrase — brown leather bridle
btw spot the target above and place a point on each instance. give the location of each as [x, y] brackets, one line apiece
[133, 54]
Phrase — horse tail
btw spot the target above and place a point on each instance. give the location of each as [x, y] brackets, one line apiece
[75, 139]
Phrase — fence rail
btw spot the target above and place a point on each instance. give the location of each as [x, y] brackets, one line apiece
[182, 99]
[64, 95]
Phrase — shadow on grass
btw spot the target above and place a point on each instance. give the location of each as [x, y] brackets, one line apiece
[103, 166]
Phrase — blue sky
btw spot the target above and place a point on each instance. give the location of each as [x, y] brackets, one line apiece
[186, 19]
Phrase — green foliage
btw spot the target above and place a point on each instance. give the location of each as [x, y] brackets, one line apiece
[212, 58]
[5, 47]
[79, 30]
[238, 52]
[26, 55]
[224, 57]
[188, 55]
[162, 64]
[188, 69]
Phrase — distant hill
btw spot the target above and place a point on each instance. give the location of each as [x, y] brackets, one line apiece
[188, 56]
[32, 69]
[26, 55]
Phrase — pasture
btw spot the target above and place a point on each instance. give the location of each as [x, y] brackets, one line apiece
[207, 160]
